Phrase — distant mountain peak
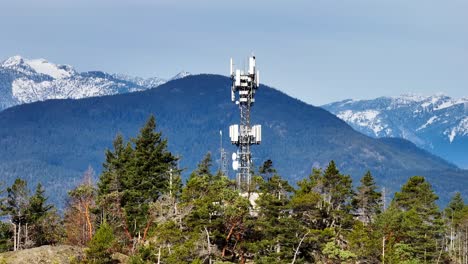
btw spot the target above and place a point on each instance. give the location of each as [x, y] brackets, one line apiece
[12, 61]
[55, 71]
[181, 75]
[38, 66]
[437, 123]
[25, 80]
[413, 97]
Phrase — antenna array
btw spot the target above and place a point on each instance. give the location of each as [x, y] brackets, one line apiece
[244, 86]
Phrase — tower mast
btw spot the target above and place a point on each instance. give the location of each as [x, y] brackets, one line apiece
[244, 86]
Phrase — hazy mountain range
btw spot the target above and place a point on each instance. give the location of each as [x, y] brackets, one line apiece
[54, 141]
[25, 81]
[436, 123]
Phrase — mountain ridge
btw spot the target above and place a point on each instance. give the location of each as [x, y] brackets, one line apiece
[56, 140]
[436, 123]
[29, 80]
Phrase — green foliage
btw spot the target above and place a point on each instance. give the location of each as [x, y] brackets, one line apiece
[412, 226]
[17, 202]
[336, 254]
[100, 247]
[365, 242]
[5, 237]
[145, 211]
[46, 223]
[275, 232]
[135, 175]
[367, 202]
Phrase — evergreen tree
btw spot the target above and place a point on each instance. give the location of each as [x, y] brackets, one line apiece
[147, 177]
[38, 206]
[367, 202]
[267, 169]
[455, 208]
[17, 206]
[200, 180]
[419, 228]
[113, 167]
[204, 167]
[5, 237]
[5, 231]
[336, 192]
[135, 175]
[456, 218]
[43, 219]
[276, 233]
[100, 247]
[218, 212]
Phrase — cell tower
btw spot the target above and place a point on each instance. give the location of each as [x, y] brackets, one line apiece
[244, 86]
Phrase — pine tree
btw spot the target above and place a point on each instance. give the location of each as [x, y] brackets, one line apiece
[455, 208]
[135, 175]
[5, 231]
[367, 202]
[147, 177]
[38, 206]
[420, 228]
[456, 215]
[204, 167]
[111, 188]
[364, 238]
[43, 219]
[100, 247]
[17, 205]
[336, 190]
[275, 231]
[267, 170]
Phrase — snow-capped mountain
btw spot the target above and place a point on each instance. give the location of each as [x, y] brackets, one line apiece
[437, 123]
[25, 81]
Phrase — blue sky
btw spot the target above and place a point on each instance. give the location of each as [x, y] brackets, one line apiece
[316, 50]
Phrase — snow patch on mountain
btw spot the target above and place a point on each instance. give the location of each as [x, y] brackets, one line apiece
[144, 82]
[430, 121]
[367, 118]
[180, 75]
[460, 130]
[54, 71]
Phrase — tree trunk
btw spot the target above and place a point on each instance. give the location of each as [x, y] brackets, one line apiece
[159, 255]
[209, 244]
[15, 244]
[383, 250]
[88, 220]
[298, 246]
[26, 240]
[18, 243]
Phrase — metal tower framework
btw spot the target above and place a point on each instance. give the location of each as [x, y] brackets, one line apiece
[244, 86]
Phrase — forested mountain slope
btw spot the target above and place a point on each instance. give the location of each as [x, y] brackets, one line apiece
[55, 141]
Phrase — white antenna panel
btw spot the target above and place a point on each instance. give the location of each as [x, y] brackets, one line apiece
[235, 165]
[251, 65]
[257, 78]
